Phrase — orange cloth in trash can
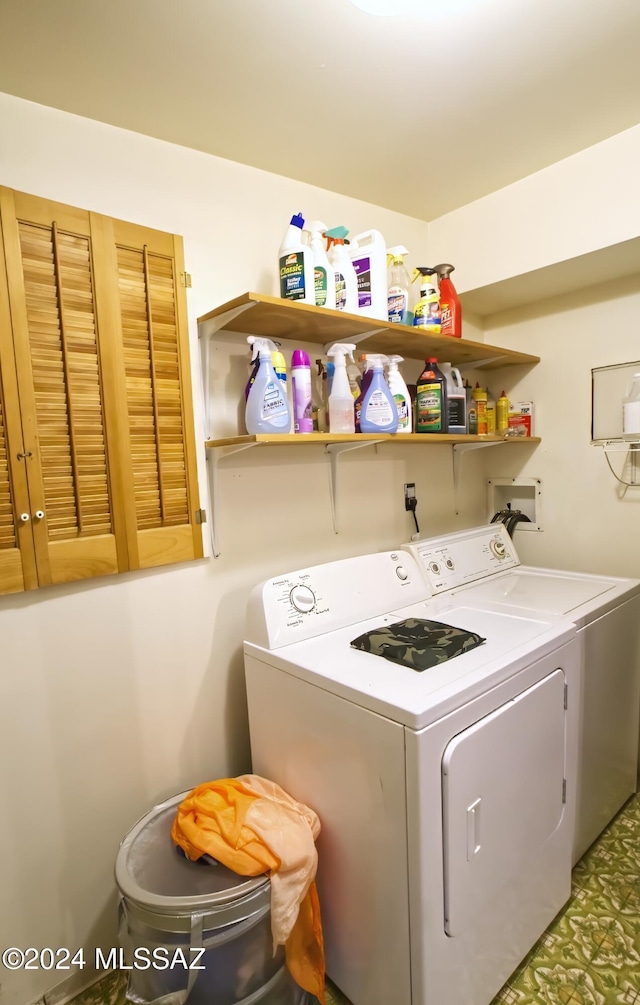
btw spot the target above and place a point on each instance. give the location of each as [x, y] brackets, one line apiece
[253, 826]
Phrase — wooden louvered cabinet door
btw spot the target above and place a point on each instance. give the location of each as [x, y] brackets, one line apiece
[59, 352]
[159, 476]
[17, 558]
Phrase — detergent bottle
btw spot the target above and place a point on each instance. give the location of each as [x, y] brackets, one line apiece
[399, 288]
[401, 395]
[450, 307]
[341, 411]
[369, 256]
[431, 399]
[457, 421]
[295, 264]
[379, 411]
[346, 280]
[324, 274]
[367, 374]
[267, 408]
[427, 310]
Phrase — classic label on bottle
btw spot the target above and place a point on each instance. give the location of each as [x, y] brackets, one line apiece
[292, 276]
[429, 407]
[362, 267]
[320, 285]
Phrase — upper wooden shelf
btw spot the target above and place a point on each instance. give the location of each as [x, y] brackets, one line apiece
[274, 318]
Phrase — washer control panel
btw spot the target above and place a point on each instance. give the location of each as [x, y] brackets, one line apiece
[300, 605]
[457, 559]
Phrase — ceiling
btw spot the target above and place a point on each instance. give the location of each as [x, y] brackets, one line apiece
[418, 114]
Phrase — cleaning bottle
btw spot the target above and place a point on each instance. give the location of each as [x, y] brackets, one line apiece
[279, 365]
[341, 411]
[295, 262]
[324, 274]
[301, 392]
[364, 386]
[491, 414]
[319, 399]
[267, 408]
[400, 393]
[450, 307]
[456, 399]
[346, 280]
[355, 378]
[368, 253]
[379, 411]
[399, 288]
[427, 310]
[480, 398]
[502, 414]
[472, 411]
[431, 399]
[255, 365]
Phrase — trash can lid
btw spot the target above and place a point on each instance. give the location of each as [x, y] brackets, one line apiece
[154, 873]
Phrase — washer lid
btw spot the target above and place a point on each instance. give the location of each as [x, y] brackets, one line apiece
[154, 873]
[541, 592]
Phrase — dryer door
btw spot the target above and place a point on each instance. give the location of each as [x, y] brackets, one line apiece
[503, 796]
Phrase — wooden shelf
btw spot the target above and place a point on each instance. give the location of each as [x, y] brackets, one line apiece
[305, 439]
[274, 318]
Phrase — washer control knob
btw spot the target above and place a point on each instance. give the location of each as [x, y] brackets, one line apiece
[303, 599]
[401, 573]
[435, 568]
[498, 548]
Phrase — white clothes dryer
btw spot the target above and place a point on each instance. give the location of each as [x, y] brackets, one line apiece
[446, 797]
[481, 566]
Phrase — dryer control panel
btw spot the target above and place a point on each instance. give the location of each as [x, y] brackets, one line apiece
[301, 605]
[457, 559]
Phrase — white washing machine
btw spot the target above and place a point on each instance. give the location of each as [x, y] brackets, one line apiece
[481, 566]
[446, 797]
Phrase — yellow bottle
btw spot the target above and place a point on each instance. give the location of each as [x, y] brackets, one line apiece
[480, 398]
[502, 414]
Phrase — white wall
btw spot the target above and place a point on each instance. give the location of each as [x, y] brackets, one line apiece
[119, 692]
[585, 525]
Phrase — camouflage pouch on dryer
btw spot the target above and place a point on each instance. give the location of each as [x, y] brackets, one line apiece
[417, 643]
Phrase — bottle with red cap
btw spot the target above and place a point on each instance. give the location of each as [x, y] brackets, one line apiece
[431, 399]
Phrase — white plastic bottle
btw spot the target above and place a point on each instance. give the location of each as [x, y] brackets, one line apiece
[324, 276]
[341, 410]
[368, 253]
[295, 264]
[267, 408]
[400, 297]
[346, 280]
[458, 421]
[401, 395]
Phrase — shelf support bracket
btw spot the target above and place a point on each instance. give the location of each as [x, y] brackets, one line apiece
[205, 336]
[355, 339]
[214, 456]
[457, 452]
[335, 451]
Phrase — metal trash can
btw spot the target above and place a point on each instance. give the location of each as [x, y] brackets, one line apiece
[171, 907]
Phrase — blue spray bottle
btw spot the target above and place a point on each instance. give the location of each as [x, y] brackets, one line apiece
[379, 411]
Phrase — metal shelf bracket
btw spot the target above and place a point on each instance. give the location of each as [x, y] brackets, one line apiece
[630, 466]
[335, 451]
[214, 456]
[458, 450]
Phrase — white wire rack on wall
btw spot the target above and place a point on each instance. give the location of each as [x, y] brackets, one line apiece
[609, 386]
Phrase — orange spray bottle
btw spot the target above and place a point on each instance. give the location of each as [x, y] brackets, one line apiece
[450, 306]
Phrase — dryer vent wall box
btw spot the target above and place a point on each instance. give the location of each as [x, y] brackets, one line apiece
[481, 567]
[446, 798]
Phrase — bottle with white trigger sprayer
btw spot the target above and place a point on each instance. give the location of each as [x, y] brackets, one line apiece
[341, 403]
[267, 408]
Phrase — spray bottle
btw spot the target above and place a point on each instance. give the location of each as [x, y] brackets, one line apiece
[341, 412]
[367, 374]
[379, 412]
[450, 306]
[399, 288]
[427, 310]
[324, 274]
[400, 393]
[346, 279]
[267, 408]
[301, 392]
[295, 264]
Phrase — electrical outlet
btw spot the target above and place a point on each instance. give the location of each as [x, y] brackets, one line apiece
[410, 495]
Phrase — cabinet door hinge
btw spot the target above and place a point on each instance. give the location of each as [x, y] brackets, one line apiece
[564, 790]
[185, 279]
[201, 516]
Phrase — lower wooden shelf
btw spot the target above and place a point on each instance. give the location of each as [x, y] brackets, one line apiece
[304, 439]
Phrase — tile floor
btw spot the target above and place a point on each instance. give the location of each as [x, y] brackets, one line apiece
[590, 955]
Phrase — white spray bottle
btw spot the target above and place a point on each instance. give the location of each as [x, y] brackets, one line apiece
[341, 410]
[401, 395]
[346, 279]
[324, 273]
[267, 408]
[400, 297]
